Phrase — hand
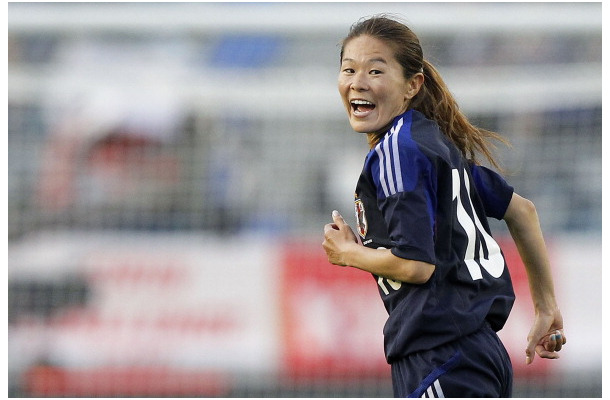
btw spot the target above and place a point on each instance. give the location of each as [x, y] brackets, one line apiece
[338, 236]
[546, 337]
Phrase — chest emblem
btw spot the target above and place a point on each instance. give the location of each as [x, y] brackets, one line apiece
[361, 218]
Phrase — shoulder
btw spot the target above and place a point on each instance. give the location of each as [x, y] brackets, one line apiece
[411, 137]
[422, 128]
[399, 140]
[494, 191]
[414, 134]
[399, 161]
[409, 129]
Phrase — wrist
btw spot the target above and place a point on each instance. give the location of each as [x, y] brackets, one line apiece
[546, 307]
[350, 255]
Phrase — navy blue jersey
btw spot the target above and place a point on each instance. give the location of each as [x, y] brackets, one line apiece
[418, 196]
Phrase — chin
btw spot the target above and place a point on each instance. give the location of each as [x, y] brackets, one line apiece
[361, 127]
[359, 130]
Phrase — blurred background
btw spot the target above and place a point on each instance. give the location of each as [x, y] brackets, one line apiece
[171, 166]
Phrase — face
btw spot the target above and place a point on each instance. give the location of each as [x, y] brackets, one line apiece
[372, 85]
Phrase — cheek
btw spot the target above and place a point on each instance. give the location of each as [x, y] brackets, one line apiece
[341, 87]
[398, 101]
[341, 82]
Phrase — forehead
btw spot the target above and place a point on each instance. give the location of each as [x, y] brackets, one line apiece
[366, 48]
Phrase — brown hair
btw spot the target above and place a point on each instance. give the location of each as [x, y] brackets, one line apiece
[434, 99]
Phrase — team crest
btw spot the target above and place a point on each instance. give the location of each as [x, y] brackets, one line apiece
[361, 218]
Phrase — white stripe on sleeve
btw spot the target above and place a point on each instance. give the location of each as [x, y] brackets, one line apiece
[397, 169]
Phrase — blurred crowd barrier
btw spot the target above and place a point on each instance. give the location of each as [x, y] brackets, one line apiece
[115, 314]
[171, 166]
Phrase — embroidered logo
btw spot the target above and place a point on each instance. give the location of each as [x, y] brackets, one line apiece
[361, 218]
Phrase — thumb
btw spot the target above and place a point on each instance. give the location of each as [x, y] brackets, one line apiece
[338, 219]
[529, 356]
[530, 350]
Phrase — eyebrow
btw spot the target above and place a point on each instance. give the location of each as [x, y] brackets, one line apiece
[376, 59]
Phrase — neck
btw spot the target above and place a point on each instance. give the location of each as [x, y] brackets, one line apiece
[374, 137]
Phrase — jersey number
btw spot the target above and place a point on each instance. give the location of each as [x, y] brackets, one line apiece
[381, 281]
[475, 257]
[393, 284]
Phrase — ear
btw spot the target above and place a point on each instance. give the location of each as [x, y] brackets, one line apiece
[413, 85]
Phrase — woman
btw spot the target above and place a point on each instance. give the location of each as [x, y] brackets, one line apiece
[422, 203]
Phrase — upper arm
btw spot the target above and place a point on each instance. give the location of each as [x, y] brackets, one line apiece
[405, 180]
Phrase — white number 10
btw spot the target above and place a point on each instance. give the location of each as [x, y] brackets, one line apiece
[494, 263]
[393, 284]
[474, 257]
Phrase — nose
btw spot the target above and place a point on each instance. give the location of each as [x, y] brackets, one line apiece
[359, 82]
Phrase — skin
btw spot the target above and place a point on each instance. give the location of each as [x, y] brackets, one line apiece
[371, 75]
[546, 336]
[343, 248]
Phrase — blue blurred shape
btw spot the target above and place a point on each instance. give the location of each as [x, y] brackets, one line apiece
[246, 51]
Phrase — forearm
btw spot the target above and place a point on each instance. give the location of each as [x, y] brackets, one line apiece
[343, 248]
[524, 226]
[382, 262]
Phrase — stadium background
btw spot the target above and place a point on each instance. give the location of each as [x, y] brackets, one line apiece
[170, 168]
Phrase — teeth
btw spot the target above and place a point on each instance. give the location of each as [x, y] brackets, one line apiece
[361, 102]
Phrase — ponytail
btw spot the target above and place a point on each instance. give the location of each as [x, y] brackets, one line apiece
[438, 104]
[434, 99]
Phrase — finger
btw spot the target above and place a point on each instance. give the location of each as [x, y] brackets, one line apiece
[543, 353]
[555, 342]
[561, 335]
[551, 343]
[534, 346]
[338, 219]
[559, 340]
[330, 227]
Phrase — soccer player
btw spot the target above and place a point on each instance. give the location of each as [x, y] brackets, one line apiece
[422, 203]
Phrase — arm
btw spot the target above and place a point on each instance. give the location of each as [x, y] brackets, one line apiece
[343, 248]
[546, 336]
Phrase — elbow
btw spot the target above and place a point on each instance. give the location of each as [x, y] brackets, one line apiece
[407, 270]
[425, 274]
[520, 208]
[528, 208]
[419, 272]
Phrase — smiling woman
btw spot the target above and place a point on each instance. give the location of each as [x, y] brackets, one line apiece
[422, 203]
[383, 55]
[372, 84]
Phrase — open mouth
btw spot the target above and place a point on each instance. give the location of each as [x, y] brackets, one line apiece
[361, 106]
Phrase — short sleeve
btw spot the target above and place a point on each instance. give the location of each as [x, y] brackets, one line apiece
[493, 190]
[406, 192]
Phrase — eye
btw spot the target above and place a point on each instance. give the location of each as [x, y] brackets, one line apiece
[348, 70]
[375, 72]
